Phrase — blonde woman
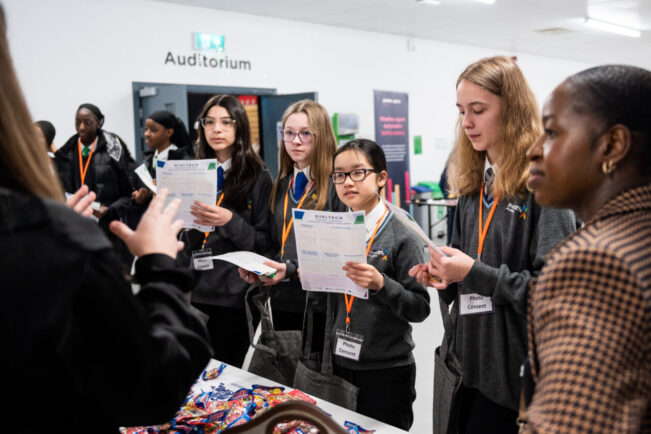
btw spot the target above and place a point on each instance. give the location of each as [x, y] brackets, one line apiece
[499, 241]
[71, 327]
[306, 151]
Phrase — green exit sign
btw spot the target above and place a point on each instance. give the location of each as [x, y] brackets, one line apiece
[208, 41]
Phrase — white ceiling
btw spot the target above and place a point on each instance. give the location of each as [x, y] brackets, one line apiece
[510, 25]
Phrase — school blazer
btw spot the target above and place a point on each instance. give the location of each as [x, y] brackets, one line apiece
[590, 325]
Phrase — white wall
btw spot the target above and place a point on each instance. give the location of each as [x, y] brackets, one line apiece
[71, 51]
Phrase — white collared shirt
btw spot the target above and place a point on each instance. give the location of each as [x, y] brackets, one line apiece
[306, 172]
[372, 218]
[225, 165]
[164, 154]
[488, 164]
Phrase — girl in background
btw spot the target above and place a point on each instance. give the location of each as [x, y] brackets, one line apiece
[167, 139]
[499, 242]
[384, 369]
[241, 220]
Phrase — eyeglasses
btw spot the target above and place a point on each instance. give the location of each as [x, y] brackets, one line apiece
[356, 175]
[211, 123]
[303, 136]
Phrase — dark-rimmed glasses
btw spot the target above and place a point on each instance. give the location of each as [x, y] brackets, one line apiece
[356, 175]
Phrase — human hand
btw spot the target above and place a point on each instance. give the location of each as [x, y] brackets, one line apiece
[421, 273]
[101, 212]
[365, 275]
[157, 230]
[141, 195]
[452, 267]
[281, 271]
[81, 200]
[210, 215]
[246, 275]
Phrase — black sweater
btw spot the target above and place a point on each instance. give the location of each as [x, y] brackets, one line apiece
[248, 230]
[79, 352]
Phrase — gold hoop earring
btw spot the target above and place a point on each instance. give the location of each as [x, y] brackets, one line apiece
[608, 167]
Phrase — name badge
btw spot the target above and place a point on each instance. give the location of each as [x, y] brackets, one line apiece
[348, 345]
[202, 259]
[474, 303]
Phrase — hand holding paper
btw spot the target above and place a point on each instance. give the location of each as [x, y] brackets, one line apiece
[365, 275]
[249, 261]
[451, 265]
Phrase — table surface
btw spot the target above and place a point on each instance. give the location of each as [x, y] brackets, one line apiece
[435, 202]
[233, 378]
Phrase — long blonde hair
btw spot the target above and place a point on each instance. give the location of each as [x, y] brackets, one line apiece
[325, 146]
[520, 126]
[24, 164]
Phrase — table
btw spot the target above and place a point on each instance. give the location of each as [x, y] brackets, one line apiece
[232, 379]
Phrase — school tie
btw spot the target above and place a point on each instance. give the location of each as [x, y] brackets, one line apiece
[220, 177]
[85, 150]
[299, 185]
[488, 181]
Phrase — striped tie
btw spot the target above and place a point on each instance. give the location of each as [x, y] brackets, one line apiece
[488, 180]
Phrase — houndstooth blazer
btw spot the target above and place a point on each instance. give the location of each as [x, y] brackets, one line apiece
[589, 323]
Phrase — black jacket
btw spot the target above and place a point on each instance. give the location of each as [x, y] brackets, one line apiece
[79, 352]
[108, 173]
[248, 230]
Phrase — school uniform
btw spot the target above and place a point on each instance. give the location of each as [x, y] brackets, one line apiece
[107, 174]
[220, 292]
[491, 300]
[385, 371]
[288, 296]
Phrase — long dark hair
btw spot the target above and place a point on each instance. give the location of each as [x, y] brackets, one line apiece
[245, 163]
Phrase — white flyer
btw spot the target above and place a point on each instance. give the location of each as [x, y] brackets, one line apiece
[249, 261]
[145, 177]
[325, 241]
[189, 180]
[411, 225]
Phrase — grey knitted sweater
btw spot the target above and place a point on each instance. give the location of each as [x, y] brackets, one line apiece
[491, 346]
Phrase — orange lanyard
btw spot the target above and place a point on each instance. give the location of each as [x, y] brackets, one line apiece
[205, 238]
[351, 299]
[83, 170]
[482, 233]
[286, 228]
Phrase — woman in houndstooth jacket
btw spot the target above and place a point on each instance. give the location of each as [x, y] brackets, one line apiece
[590, 309]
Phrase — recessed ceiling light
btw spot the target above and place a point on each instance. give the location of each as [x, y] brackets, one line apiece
[605, 26]
[488, 2]
[429, 2]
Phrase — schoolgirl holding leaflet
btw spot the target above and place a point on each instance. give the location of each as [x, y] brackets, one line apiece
[303, 181]
[241, 220]
[384, 367]
[499, 242]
